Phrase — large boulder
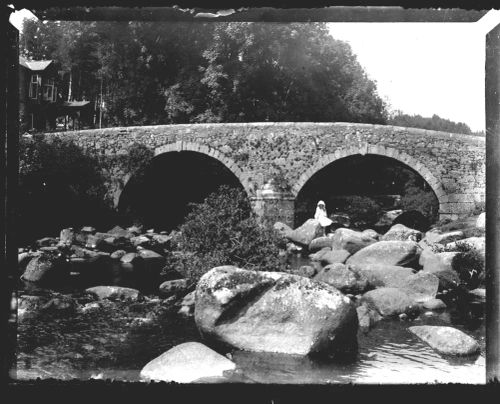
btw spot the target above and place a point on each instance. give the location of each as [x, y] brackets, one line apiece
[186, 363]
[306, 233]
[434, 236]
[173, 288]
[339, 276]
[446, 340]
[274, 312]
[47, 269]
[334, 257]
[371, 233]
[350, 240]
[388, 301]
[440, 265]
[282, 228]
[400, 253]
[421, 286]
[379, 275]
[319, 243]
[401, 232]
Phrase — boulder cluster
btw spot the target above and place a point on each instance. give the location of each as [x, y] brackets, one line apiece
[356, 278]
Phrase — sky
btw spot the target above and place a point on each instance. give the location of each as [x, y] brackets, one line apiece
[419, 68]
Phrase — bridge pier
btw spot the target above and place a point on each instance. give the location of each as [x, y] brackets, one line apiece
[274, 206]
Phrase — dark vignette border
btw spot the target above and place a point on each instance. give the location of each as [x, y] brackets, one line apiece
[278, 11]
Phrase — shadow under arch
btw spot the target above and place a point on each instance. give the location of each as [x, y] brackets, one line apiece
[374, 150]
[178, 174]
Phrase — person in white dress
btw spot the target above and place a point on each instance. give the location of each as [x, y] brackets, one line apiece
[321, 216]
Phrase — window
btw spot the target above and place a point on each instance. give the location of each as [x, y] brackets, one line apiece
[36, 81]
[48, 91]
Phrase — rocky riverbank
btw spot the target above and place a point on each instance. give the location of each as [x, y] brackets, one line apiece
[355, 280]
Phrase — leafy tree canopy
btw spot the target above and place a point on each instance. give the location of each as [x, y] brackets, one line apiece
[154, 73]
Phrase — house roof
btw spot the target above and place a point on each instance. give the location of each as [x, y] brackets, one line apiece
[34, 65]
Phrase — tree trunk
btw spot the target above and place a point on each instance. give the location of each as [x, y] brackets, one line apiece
[70, 84]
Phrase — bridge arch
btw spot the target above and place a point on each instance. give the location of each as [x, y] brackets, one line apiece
[211, 152]
[379, 150]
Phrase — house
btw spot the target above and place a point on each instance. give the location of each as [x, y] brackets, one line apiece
[38, 94]
[41, 103]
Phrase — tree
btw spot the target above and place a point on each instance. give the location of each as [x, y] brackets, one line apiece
[276, 72]
[433, 123]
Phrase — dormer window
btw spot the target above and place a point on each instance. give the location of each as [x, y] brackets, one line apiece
[35, 83]
[49, 93]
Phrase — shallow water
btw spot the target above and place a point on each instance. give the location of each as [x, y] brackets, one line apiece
[117, 339]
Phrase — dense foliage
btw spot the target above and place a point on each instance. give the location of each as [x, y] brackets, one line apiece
[223, 230]
[469, 263]
[154, 73]
[61, 185]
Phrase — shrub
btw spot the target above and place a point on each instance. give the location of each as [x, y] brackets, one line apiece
[469, 264]
[60, 185]
[223, 230]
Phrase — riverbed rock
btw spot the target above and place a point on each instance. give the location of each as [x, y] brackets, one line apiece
[319, 243]
[173, 288]
[434, 236]
[413, 219]
[380, 275]
[334, 257]
[142, 241]
[118, 254]
[350, 240]
[282, 228]
[46, 242]
[340, 277]
[113, 293]
[421, 286]
[340, 220]
[481, 221]
[67, 236]
[274, 312]
[441, 265]
[388, 301]
[61, 306]
[399, 253]
[187, 305]
[371, 233]
[46, 269]
[388, 217]
[434, 304]
[367, 317]
[186, 363]
[447, 340]
[319, 254]
[307, 271]
[401, 232]
[22, 260]
[118, 231]
[306, 233]
[478, 243]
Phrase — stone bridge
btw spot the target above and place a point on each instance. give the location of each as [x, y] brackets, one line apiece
[291, 153]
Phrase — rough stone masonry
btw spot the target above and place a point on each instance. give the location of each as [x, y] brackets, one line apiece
[291, 153]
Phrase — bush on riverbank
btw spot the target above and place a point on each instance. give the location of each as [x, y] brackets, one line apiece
[223, 230]
[469, 263]
[60, 185]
